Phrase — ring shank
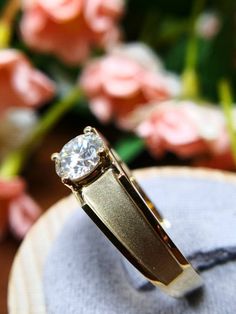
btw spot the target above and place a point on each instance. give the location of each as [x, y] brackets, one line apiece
[114, 202]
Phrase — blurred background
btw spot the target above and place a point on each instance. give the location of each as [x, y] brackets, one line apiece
[156, 77]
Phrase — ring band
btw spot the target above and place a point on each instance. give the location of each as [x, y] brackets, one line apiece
[113, 199]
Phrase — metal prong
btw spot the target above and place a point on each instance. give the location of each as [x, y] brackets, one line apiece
[66, 181]
[55, 156]
[88, 129]
[101, 150]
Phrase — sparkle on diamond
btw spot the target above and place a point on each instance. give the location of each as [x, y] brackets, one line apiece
[79, 156]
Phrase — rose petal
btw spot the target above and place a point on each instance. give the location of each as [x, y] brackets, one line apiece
[127, 83]
[11, 188]
[32, 86]
[20, 84]
[70, 28]
[101, 109]
[62, 10]
[23, 212]
[120, 68]
[140, 54]
[100, 14]
[8, 57]
[121, 88]
[176, 125]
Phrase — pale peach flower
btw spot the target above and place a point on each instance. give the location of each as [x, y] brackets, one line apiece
[208, 25]
[18, 211]
[70, 28]
[128, 77]
[16, 124]
[21, 85]
[186, 129]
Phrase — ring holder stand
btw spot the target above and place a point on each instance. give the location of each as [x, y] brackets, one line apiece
[84, 273]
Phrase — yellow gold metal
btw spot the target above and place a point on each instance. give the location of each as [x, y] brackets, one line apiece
[117, 204]
[88, 129]
[54, 156]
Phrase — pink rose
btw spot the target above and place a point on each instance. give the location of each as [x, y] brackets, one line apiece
[16, 208]
[69, 28]
[21, 85]
[130, 76]
[186, 129]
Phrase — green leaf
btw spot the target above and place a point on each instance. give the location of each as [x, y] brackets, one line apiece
[172, 28]
[175, 59]
[216, 57]
[226, 98]
[129, 147]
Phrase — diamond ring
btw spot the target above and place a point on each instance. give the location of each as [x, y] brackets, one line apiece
[112, 198]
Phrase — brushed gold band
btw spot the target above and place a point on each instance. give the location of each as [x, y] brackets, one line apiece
[113, 199]
[120, 208]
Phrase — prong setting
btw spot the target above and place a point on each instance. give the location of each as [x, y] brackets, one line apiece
[55, 157]
[89, 129]
[67, 182]
[80, 157]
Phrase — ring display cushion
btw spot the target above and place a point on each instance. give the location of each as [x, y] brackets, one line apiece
[84, 272]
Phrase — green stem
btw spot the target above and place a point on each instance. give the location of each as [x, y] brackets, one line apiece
[226, 99]
[5, 34]
[129, 148]
[6, 22]
[14, 162]
[191, 56]
[189, 76]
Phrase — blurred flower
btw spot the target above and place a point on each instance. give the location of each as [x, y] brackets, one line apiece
[223, 161]
[17, 208]
[69, 28]
[128, 77]
[208, 25]
[16, 125]
[21, 85]
[186, 129]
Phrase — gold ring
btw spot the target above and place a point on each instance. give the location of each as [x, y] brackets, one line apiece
[112, 198]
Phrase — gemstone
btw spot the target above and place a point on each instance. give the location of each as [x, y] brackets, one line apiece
[79, 157]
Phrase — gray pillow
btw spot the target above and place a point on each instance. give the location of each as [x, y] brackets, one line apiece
[84, 273]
